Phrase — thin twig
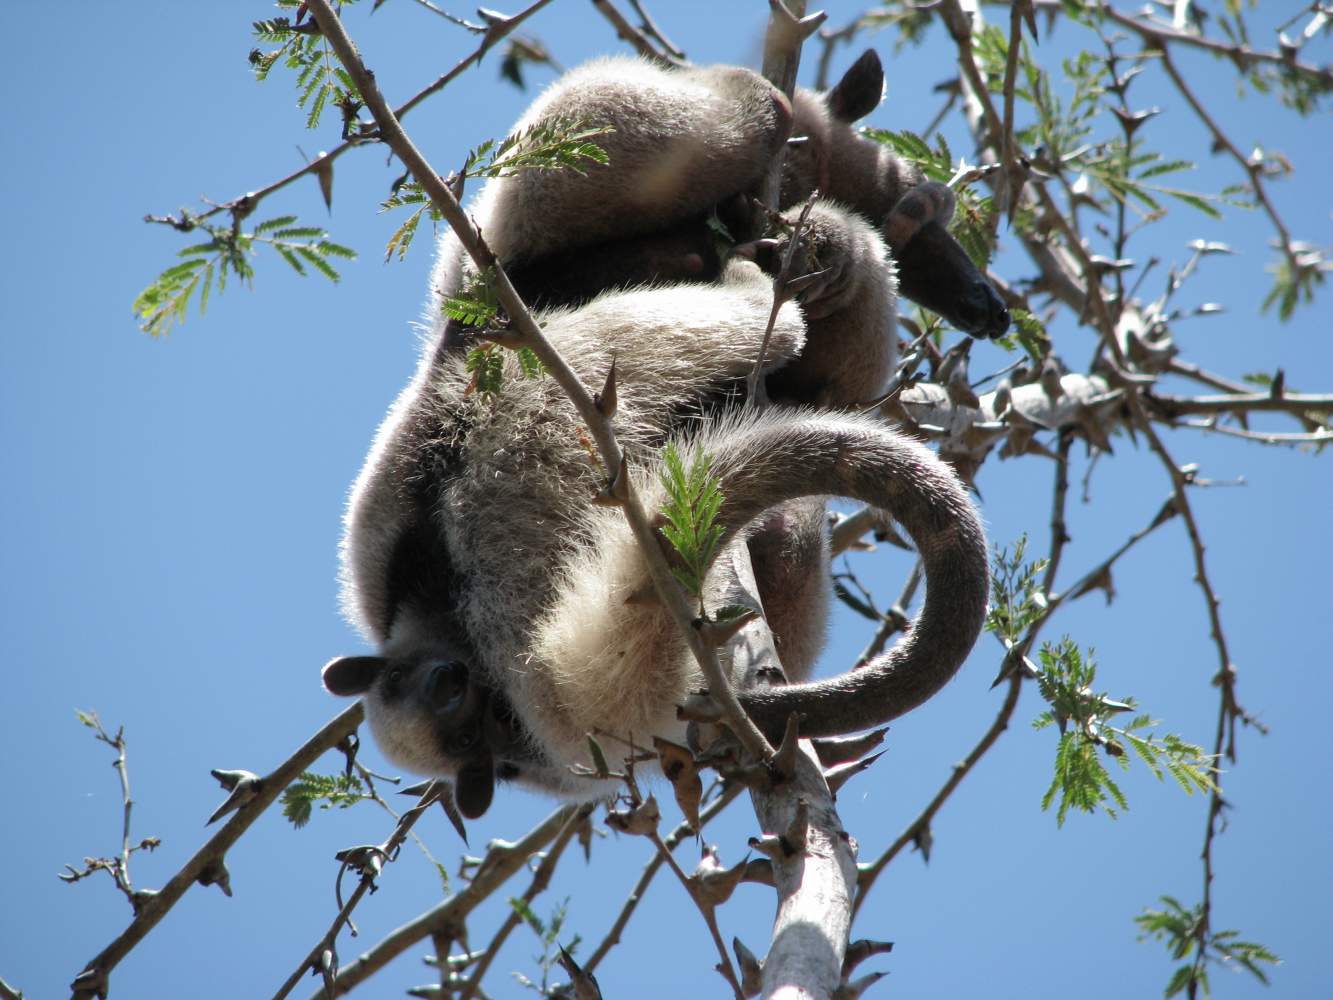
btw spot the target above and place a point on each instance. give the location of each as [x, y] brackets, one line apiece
[895, 618]
[1059, 525]
[706, 910]
[650, 26]
[541, 878]
[502, 860]
[1285, 440]
[867, 874]
[1011, 172]
[1224, 680]
[1170, 407]
[627, 32]
[1160, 35]
[388, 851]
[93, 979]
[1252, 167]
[495, 31]
[683, 830]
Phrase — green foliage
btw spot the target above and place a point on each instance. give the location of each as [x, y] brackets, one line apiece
[324, 790]
[320, 78]
[693, 500]
[1081, 779]
[1017, 599]
[559, 144]
[1291, 284]
[486, 366]
[407, 194]
[529, 364]
[206, 265]
[1063, 135]
[548, 933]
[477, 302]
[1185, 932]
[1029, 333]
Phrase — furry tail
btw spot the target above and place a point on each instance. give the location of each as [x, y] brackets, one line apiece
[782, 455]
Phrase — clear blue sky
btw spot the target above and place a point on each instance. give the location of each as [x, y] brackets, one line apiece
[171, 515]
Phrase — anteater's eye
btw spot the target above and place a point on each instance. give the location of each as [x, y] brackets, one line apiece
[394, 677]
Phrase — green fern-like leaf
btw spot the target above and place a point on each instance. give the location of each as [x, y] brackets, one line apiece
[551, 145]
[486, 366]
[529, 364]
[469, 312]
[166, 301]
[694, 498]
[325, 791]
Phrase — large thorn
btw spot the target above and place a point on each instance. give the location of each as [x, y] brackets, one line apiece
[606, 399]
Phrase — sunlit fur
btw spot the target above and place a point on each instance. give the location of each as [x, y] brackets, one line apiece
[535, 593]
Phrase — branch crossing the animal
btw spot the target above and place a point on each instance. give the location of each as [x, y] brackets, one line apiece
[499, 597]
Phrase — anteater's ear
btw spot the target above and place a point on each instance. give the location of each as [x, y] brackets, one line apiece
[859, 91]
[349, 675]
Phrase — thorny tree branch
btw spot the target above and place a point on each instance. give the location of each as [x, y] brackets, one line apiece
[1139, 404]
[388, 851]
[706, 910]
[118, 868]
[1253, 166]
[541, 878]
[620, 488]
[640, 40]
[449, 918]
[207, 864]
[496, 29]
[1159, 35]
[728, 795]
[1169, 407]
[1228, 710]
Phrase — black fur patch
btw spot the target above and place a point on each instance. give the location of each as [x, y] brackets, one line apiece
[420, 571]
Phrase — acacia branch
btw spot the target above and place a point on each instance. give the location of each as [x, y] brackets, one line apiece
[207, 862]
[496, 29]
[1319, 437]
[1252, 167]
[1159, 35]
[1170, 407]
[867, 874]
[706, 910]
[448, 918]
[642, 44]
[654, 865]
[541, 878]
[1224, 680]
[388, 851]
